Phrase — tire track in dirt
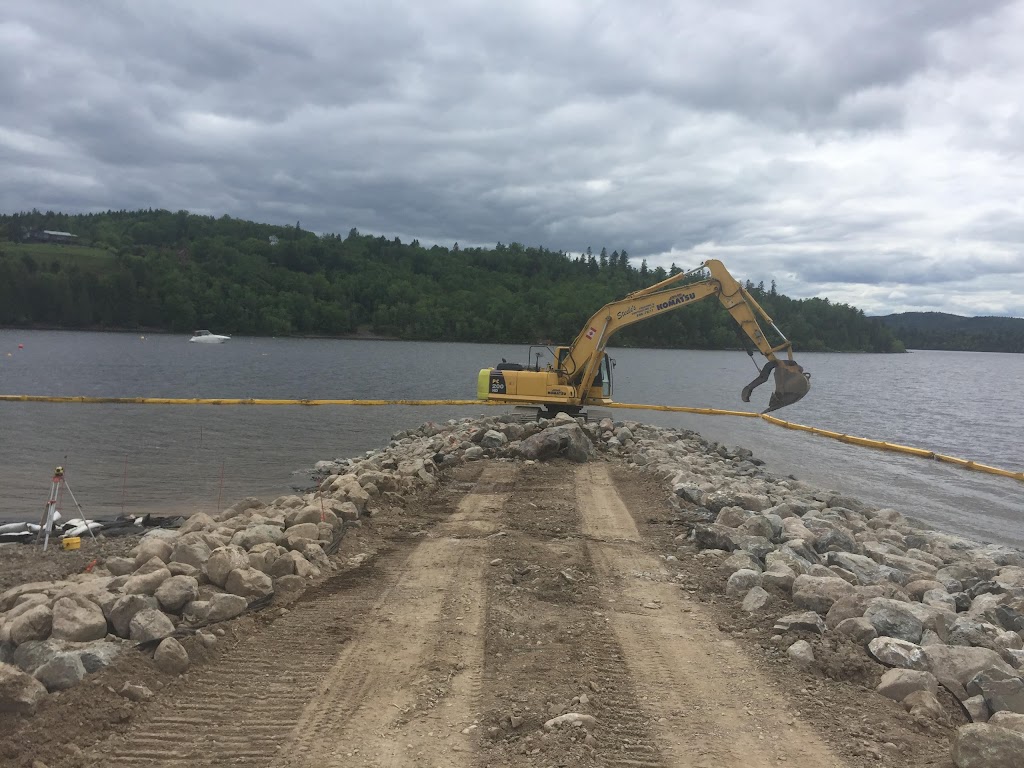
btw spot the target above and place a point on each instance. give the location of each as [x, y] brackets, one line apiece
[381, 667]
[550, 648]
[424, 638]
[708, 706]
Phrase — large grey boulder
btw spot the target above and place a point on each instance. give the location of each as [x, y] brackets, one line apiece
[1012, 641]
[1003, 693]
[801, 653]
[848, 607]
[149, 624]
[32, 655]
[33, 624]
[315, 555]
[316, 513]
[818, 593]
[151, 547]
[757, 546]
[917, 589]
[171, 657]
[715, 536]
[794, 528]
[297, 535]
[755, 599]
[864, 568]
[859, 630]
[223, 561]
[913, 568]
[741, 582]
[239, 507]
[753, 501]
[786, 557]
[1010, 720]
[980, 745]
[986, 607]
[12, 596]
[63, 671]
[733, 517]
[96, 590]
[197, 522]
[176, 592]
[960, 663]
[292, 563]
[288, 588]
[119, 566]
[223, 607]
[807, 621]
[892, 618]
[900, 653]
[124, 610]
[146, 583]
[25, 602]
[925, 705]
[800, 550]
[897, 684]
[834, 540]
[99, 654]
[20, 693]
[965, 630]
[493, 439]
[1010, 579]
[78, 619]
[249, 582]
[249, 537]
[740, 561]
[193, 552]
[568, 440]
[939, 598]
[778, 576]
[759, 525]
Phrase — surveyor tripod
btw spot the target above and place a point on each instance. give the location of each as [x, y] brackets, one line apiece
[51, 514]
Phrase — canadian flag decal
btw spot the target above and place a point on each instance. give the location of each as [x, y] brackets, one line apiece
[591, 332]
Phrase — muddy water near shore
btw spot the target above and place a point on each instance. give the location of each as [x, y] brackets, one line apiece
[179, 460]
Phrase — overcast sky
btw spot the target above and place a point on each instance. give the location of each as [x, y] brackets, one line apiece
[866, 151]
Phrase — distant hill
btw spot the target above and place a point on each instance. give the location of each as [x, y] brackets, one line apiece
[176, 271]
[938, 330]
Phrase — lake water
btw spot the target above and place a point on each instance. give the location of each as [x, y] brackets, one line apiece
[137, 458]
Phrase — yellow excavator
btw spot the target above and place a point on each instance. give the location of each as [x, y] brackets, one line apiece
[580, 375]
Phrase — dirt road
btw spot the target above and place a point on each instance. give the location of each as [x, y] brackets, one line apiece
[508, 597]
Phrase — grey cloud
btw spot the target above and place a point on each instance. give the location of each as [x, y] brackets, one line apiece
[809, 142]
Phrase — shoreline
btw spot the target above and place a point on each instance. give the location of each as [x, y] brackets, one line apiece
[383, 337]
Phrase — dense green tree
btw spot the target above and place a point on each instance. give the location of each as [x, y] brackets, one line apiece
[177, 271]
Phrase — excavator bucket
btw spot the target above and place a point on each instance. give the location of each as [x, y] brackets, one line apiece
[791, 384]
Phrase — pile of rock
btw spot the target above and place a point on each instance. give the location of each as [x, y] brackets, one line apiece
[939, 609]
[211, 569]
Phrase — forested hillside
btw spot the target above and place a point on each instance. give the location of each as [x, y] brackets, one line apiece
[937, 330]
[178, 271]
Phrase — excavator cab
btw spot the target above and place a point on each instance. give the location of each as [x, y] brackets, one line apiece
[791, 384]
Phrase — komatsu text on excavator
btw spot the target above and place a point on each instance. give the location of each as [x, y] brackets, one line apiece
[580, 375]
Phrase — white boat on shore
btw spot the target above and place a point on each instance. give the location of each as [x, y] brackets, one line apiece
[205, 337]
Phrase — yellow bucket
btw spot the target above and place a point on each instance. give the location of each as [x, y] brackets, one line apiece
[71, 542]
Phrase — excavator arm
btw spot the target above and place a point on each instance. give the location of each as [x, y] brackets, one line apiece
[580, 363]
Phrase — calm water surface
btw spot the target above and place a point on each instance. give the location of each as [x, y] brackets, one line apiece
[188, 458]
